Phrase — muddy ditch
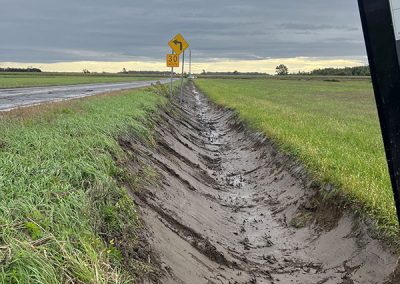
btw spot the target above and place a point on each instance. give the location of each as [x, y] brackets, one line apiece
[227, 207]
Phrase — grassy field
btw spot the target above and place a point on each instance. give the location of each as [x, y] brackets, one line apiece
[17, 80]
[62, 211]
[332, 127]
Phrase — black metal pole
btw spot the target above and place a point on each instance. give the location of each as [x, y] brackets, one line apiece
[383, 55]
[190, 62]
[172, 76]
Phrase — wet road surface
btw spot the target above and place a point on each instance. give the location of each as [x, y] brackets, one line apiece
[23, 97]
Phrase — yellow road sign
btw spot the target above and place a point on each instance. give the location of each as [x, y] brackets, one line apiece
[178, 44]
[172, 60]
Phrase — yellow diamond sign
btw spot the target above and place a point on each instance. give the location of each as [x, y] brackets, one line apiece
[178, 44]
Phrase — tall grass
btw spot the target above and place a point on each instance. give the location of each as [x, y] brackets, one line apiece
[331, 126]
[60, 203]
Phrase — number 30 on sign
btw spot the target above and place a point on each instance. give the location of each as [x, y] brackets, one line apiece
[172, 60]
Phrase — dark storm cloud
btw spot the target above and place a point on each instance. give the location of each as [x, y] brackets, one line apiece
[55, 30]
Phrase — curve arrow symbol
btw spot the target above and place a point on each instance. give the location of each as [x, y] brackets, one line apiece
[176, 42]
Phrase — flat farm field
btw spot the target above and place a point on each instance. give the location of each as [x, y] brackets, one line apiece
[20, 80]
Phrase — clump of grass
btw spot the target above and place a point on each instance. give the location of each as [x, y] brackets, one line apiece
[62, 211]
[332, 128]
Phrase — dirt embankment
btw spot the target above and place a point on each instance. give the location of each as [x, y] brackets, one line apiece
[229, 208]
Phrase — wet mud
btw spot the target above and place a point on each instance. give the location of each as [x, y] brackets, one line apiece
[228, 207]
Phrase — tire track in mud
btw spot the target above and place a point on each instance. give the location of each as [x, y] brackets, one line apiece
[229, 208]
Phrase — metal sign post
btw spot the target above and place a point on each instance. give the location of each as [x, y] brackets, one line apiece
[190, 63]
[172, 77]
[172, 61]
[178, 45]
[381, 26]
[183, 66]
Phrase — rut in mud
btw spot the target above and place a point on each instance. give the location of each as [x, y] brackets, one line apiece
[229, 208]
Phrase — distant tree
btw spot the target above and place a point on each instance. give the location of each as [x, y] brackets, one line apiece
[235, 72]
[124, 71]
[281, 70]
[203, 72]
[85, 71]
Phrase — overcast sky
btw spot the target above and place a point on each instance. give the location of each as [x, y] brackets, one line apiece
[123, 30]
[307, 34]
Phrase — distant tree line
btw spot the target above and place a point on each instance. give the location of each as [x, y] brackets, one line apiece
[347, 71]
[204, 72]
[29, 69]
[124, 71]
[282, 70]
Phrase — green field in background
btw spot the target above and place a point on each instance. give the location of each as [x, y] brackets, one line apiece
[18, 80]
[332, 127]
[61, 204]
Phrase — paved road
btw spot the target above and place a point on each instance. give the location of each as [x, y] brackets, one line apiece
[23, 97]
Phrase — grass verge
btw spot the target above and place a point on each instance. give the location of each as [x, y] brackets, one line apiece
[19, 80]
[332, 127]
[62, 211]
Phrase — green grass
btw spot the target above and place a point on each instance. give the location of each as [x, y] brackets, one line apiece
[332, 127]
[18, 80]
[62, 211]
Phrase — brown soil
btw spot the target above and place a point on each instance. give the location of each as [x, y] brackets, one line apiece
[229, 208]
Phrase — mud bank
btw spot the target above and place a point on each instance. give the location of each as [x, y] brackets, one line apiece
[229, 208]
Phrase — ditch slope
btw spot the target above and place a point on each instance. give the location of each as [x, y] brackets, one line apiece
[227, 207]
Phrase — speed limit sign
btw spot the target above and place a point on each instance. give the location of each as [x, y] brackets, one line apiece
[172, 60]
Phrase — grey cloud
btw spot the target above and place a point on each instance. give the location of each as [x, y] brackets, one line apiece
[320, 27]
[55, 30]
